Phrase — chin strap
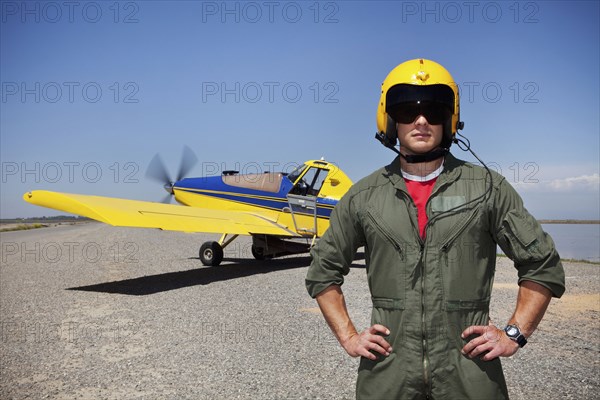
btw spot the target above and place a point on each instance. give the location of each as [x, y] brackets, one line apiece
[412, 158]
[430, 156]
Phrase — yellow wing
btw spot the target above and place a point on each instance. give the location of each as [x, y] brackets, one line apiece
[143, 214]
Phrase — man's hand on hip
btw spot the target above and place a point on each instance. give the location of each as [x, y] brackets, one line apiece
[491, 342]
[371, 339]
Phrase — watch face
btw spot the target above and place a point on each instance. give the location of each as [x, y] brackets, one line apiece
[511, 331]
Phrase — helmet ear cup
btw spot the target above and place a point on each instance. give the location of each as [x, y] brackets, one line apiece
[391, 134]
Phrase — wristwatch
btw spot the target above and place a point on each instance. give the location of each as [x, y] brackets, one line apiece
[514, 333]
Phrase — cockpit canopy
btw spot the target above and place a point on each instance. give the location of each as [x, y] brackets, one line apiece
[267, 182]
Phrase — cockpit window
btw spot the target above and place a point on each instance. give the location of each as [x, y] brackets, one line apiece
[310, 183]
[292, 176]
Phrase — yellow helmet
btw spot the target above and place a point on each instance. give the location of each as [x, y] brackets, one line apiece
[417, 81]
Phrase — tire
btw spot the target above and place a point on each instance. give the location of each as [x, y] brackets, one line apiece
[211, 254]
[258, 252]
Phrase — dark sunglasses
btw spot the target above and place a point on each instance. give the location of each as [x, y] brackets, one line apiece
[435, 113]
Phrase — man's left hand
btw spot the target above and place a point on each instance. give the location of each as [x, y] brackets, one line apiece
[491, 342]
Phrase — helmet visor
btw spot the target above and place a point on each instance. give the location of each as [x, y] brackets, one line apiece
[400, 94]
[435, 113]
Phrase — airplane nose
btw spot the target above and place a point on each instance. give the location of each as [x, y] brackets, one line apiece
[169, 187]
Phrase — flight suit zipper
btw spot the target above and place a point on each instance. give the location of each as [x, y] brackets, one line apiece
[424, 343]
[387, 234]
[422, 256]
[424, 356]
[444, 248]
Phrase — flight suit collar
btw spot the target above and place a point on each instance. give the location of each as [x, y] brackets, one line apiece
[450, 173]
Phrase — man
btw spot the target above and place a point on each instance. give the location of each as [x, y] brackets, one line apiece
[430, 224]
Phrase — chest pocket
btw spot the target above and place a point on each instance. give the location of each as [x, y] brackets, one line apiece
[382, 230]
[467, 256]
[385, 255]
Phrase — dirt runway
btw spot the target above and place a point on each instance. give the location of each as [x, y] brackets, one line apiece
[91, 311]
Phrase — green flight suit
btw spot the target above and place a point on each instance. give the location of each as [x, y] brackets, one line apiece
[428, 291]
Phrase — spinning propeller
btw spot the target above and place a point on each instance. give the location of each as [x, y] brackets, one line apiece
[158, 172]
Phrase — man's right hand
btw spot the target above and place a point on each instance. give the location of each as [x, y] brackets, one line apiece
[371, 339]
[333, 306]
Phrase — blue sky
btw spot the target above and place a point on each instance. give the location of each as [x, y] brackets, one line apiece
[91, 91]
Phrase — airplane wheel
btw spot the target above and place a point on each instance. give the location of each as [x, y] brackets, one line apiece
[211, 254]
[258, 252]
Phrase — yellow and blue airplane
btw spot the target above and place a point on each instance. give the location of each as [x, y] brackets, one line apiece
[277, 209]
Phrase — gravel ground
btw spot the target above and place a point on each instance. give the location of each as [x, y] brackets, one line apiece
[92, 311]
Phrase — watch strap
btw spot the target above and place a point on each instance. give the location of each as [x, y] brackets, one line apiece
[521, 341]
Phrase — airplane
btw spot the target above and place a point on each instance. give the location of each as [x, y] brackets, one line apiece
[284, 213]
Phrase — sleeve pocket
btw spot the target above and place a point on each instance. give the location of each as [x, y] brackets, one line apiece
[522, 238]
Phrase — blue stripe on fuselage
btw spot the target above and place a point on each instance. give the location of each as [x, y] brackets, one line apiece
[214, 186]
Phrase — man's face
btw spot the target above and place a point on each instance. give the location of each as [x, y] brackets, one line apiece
[420, 126]
[419, 136]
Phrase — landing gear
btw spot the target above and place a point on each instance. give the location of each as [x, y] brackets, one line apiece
[264, 247]
[267, 247]
[211, 253]
[258, 252]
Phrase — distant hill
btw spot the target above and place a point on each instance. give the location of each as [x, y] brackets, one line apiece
[569, 221]
[33, 220]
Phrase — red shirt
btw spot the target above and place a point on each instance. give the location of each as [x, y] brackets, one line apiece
[420, 192]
